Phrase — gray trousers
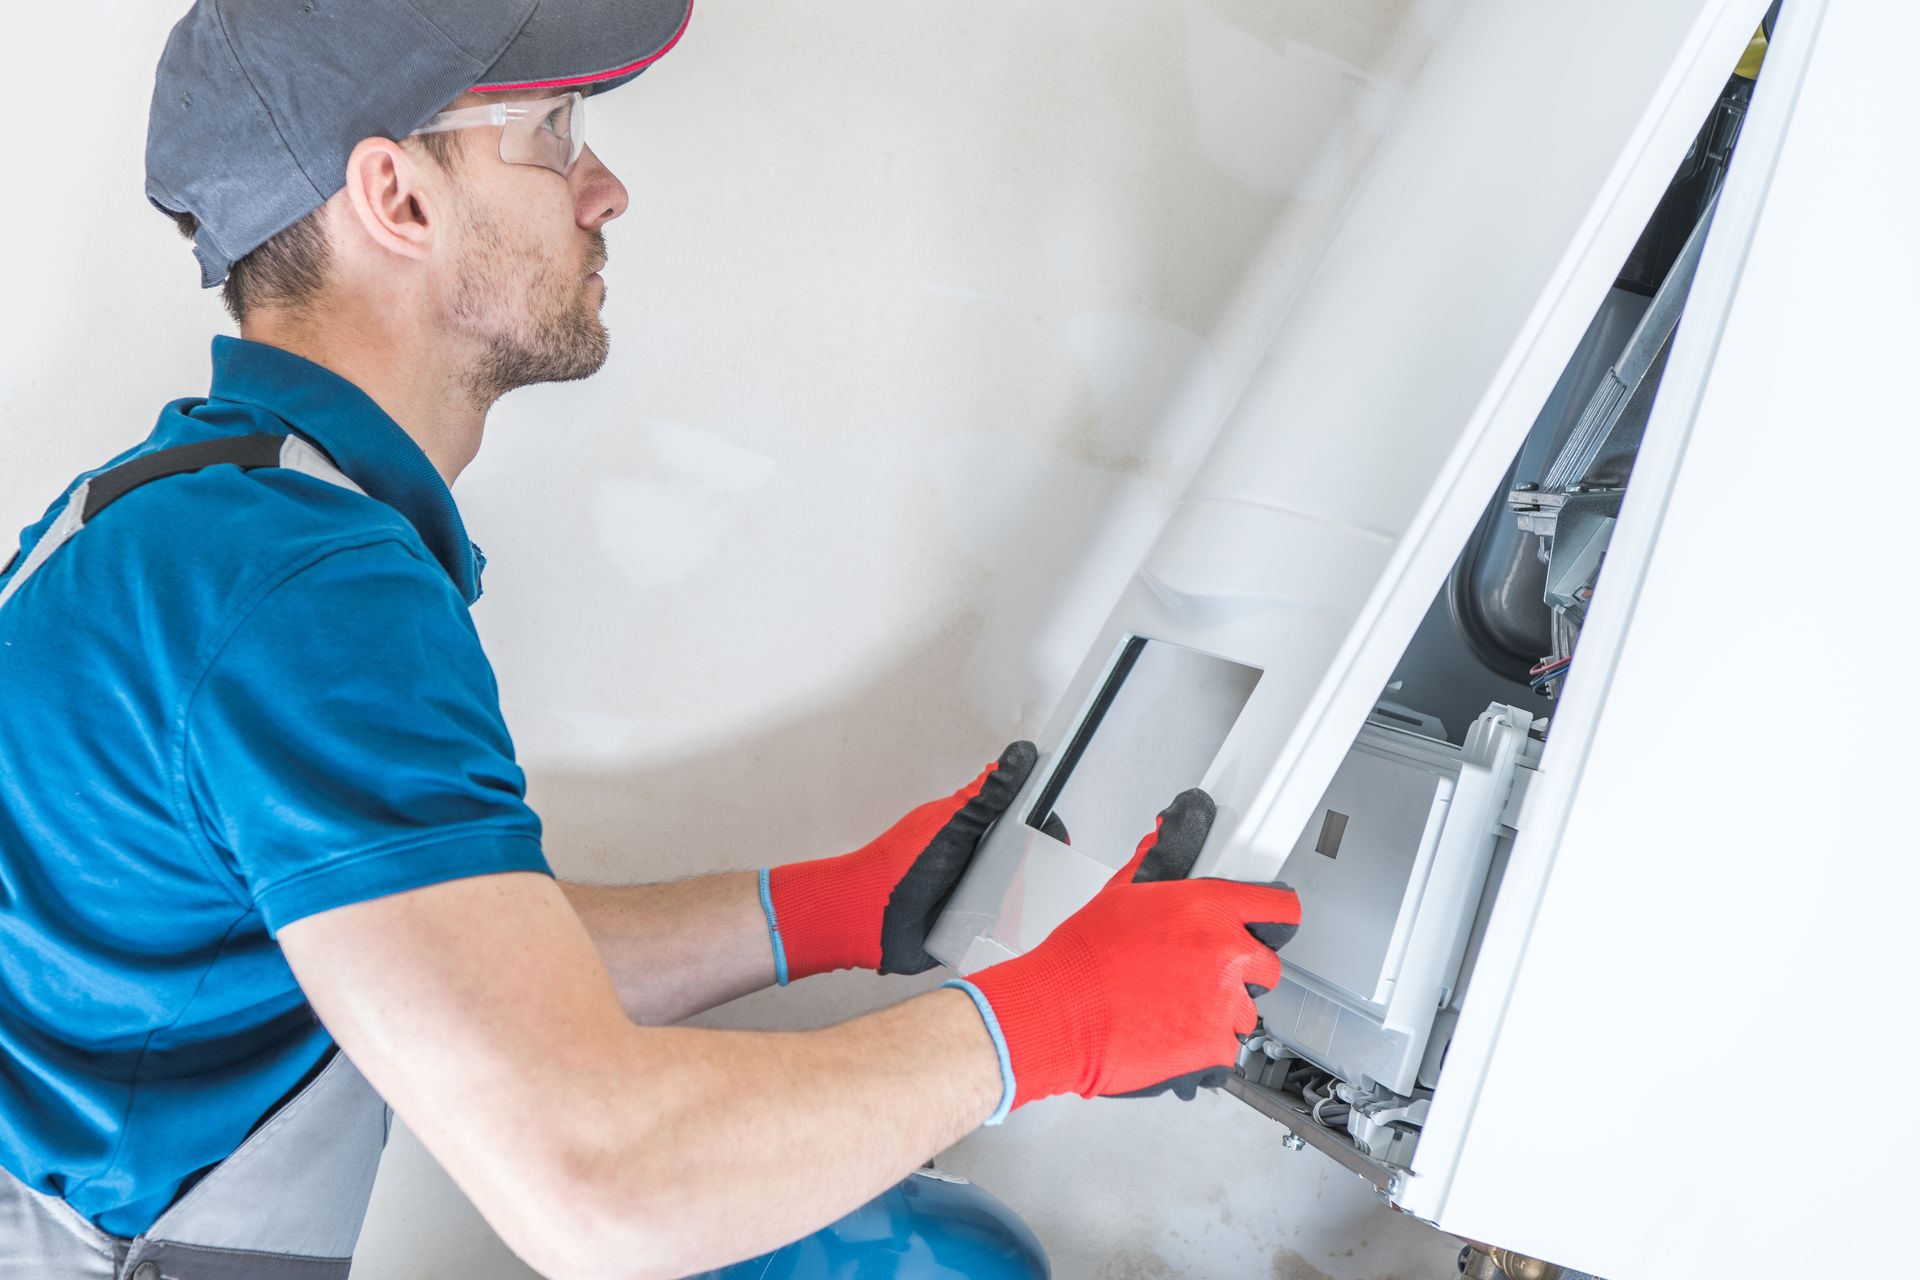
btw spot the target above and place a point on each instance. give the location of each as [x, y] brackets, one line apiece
[287, 1205]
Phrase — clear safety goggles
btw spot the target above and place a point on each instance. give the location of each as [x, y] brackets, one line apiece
[545, 131]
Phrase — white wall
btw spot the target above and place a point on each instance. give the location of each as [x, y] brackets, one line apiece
[922, 315]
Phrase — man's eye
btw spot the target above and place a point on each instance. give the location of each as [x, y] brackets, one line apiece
[555, 121]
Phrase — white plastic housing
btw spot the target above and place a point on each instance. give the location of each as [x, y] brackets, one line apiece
[1526, 159]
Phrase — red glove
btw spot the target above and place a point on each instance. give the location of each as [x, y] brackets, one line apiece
[871, 909]
[1148, 987]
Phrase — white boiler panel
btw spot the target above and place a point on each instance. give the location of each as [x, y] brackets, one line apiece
[1524, 161]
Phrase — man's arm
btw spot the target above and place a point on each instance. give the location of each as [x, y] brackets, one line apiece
[676, 949]
[483, 1015]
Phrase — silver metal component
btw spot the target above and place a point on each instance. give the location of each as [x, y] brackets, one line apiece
[1480, 1262]
[1477, 1264]
[1585, 527]
[1535, 512]
[1572, 509]
[1649, 339]
[1294, 1142]
[1332, 1144]
[1388, 1127]
[1493, 597]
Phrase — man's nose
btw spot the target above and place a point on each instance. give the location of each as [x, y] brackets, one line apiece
[599, 196]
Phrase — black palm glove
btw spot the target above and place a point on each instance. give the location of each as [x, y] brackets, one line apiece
[873, 908]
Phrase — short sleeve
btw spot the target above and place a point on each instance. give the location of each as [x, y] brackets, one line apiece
[346, 741]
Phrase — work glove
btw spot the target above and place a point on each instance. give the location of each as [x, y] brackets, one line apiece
[872, 908]
[1147, 988]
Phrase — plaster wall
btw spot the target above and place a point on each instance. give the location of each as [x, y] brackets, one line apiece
[922, 315]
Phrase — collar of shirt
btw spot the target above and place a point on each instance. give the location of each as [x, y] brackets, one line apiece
[358, 435]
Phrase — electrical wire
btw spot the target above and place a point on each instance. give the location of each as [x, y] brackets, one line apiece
[1316, 1091]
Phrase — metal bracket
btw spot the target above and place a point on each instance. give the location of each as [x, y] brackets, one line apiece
[1329, 1142]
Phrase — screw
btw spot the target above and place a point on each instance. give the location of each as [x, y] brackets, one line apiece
[1527, 486]
[1294, 1142]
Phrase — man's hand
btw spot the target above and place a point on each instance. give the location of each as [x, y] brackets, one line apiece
[1148, 987]
[872, 909]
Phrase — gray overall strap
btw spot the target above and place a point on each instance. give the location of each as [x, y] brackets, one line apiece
[288, 1204]
[93, 496]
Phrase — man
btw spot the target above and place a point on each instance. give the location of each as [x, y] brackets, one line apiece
[263, 843]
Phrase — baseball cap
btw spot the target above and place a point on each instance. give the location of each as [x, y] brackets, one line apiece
[257, 103]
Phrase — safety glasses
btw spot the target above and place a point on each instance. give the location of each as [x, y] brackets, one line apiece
[545, 131]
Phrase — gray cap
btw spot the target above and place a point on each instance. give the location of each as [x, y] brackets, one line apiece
[257, 103]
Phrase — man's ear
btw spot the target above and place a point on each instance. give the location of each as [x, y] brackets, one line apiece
[391, 199]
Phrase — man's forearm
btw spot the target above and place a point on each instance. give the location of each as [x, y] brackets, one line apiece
[750, 1142]
[676, 949]
[486, 1014]
[481, 1011]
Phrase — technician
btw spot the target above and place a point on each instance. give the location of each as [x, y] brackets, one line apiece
[266, 864]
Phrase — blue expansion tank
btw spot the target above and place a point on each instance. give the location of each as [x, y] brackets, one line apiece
[933, 1226]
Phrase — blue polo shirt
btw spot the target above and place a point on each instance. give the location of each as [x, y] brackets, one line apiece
[234, 699]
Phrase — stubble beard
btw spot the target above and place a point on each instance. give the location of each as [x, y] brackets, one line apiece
[538, 322]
